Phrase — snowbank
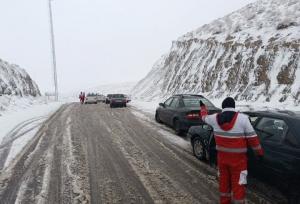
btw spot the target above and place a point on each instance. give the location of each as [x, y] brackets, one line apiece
[19, 121]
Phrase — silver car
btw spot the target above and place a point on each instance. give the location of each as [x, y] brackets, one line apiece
[91, 98]
[101, 98]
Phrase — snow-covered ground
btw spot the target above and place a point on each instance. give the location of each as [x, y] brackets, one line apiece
[19, 121]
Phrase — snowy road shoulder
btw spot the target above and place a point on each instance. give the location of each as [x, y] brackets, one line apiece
[18, 127]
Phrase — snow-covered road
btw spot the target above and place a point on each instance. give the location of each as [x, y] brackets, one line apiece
[94, 154]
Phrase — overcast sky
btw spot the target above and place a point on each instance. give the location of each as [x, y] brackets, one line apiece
[99, 41]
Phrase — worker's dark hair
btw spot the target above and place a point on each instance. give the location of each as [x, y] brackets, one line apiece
[228, 103]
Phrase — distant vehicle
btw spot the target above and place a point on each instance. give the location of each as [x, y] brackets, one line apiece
[107, 100]
[182, 111]
[101, 98]
[278, 132]
[91, 98]
[118, 100]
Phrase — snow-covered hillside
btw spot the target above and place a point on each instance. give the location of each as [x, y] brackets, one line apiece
[16, 81]
[252, 54]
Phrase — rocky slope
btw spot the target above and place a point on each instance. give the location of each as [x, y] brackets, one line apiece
[251, 54]
[16, 81]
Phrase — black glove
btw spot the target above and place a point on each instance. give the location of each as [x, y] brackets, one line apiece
[201, 103]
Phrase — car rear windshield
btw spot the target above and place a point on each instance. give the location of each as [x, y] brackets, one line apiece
[118, 96]
[195, 102]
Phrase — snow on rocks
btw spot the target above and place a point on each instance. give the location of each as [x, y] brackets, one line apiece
[251, 54]
[16, 81]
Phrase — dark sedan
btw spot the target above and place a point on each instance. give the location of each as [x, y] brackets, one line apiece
[278, 132]
[182, 111]
[118, 100]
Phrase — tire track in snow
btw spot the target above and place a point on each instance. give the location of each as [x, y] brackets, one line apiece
[77, 183]
[22, 180]
[151, 163]
[18, 131]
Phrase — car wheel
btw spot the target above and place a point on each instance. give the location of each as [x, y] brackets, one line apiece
[157, 118]
[111, 105]
[125, 105]
[176, 126]
[199, 149]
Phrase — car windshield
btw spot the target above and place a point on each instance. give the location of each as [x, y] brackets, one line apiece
[195, 102]
[118, 96]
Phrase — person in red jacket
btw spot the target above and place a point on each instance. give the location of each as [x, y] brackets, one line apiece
[233, 134]
[81, 97]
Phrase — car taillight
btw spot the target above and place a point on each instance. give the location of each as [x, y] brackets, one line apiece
[193, 116]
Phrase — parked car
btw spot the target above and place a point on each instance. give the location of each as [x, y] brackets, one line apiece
[107, 100]
[91, 98]
[182, 111]
[278, 132]
[128, 98]
[101, 98]
[118, 100]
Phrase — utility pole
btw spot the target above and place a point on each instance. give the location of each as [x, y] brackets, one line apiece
[53, 51]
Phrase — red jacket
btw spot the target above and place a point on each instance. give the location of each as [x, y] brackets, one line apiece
[233, 131]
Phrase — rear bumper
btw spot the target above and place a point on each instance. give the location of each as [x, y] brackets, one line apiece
[186, 124]
[117, 103]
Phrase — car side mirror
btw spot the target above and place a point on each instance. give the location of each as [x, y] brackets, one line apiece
[162, 105]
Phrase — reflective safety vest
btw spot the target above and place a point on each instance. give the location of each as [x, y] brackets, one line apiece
[235, 136]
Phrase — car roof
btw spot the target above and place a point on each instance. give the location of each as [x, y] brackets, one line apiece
[188, 95]
[277, 113]
[117, 94]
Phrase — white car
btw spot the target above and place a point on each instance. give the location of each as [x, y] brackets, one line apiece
[101, 98]
[91, 98]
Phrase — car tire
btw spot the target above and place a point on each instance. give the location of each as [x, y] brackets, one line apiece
[157, 118]
[176, 126]
[125, 105]
[199, 149]
[111, 106]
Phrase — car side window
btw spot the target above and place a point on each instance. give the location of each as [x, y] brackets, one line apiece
[174, 103]
[253, 119]
[168, 102]
[271, 129]
[291, 140]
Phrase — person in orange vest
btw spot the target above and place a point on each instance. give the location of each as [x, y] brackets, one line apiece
[233, 134]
